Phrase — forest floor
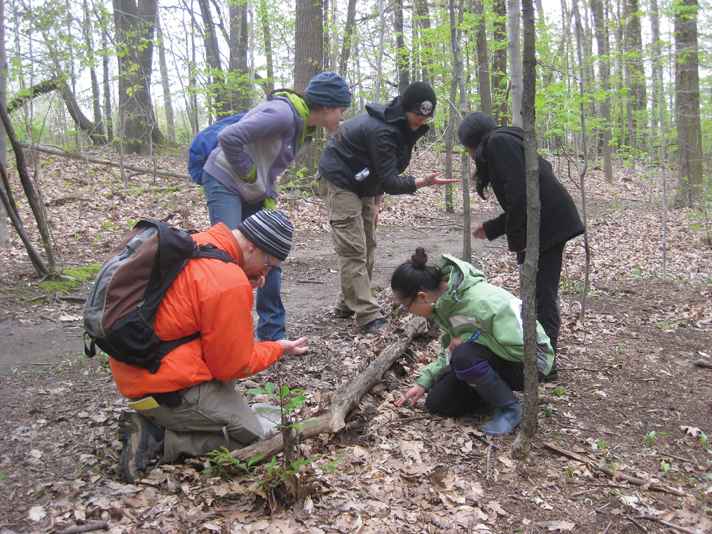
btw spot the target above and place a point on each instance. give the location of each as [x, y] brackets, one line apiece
[629, 396]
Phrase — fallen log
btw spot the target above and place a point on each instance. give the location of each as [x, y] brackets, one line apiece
[107, 161]
[335, 418]
[656, 486]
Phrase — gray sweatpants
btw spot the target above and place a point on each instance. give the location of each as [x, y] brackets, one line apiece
[213, 415]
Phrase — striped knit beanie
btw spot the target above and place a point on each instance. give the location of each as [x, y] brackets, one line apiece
[270, 231]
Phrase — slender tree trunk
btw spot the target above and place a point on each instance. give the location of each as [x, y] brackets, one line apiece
[527, 429]
[402, 63]
[422, 11]
[515, 60]
[96, 96]
[108, 114]
[687, 88]
[379, 60]
[656, 66]
[604, 76]
[347, 42]
[4, 235]
[636, 75]
[499, 70]
[267, 34]
[579, 47]
[33, 199]
[165, 83]
[483, 70]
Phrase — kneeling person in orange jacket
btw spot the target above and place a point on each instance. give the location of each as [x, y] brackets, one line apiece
[190, 406]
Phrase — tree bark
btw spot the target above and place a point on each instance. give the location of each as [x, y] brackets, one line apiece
[308, 62]
[635, 75]
[267, 35]
[527, 428]
[32, 199]
[95, 93]
[483, 70]
[402, 63]
[687, 88]
[515, 60]
[348, 38]
[335, 418]
[422, 11]
[239, 88]
[4, 235]
[499, 69]
[107, 86]
[135, 22]
[604, 70]
[165, 83]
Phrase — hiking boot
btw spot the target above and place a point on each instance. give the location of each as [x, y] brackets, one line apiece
[343, 314]
[553, 375]
[374, 327]
[507, 410]
[143, 442]
[346, 314]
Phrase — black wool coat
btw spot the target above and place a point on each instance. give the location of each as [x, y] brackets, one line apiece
[380, 140]
[501, 156]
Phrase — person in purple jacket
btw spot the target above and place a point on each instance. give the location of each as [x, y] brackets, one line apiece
[240, 175]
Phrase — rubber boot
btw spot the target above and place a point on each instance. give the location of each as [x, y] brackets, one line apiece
[507, 410]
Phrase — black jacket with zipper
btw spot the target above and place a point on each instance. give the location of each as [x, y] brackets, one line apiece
[380, 140]
[501, 156]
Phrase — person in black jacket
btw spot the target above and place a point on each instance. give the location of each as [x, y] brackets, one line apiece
[499, 156]
[359, 164]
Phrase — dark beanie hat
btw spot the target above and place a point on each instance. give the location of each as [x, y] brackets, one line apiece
[473, 128]
[328, 89]
[270, 231]
[419, 98]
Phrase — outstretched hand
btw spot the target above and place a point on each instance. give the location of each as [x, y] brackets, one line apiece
[479, 233]
[294, 347]
[436, 180]
[412, 396]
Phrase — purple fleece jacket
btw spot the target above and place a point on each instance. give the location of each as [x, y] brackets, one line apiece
[276, 119]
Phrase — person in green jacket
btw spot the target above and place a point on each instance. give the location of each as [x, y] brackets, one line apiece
[482, 340]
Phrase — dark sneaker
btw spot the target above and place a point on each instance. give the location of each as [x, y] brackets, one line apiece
[374, 327]
[343, 314]
[553, 375]
[143, 442]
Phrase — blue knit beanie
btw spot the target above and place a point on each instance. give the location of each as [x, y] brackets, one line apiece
[328, 89]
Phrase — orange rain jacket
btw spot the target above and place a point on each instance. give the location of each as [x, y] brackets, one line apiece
[214, 298]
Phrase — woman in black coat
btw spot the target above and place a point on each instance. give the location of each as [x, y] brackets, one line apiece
[499, 156]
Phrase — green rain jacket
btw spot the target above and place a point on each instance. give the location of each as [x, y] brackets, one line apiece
[472, 309]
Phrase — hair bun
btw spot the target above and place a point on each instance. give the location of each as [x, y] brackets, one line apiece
[420, 258]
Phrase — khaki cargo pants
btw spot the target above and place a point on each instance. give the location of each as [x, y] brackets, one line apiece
[354, 236]
[213, 415]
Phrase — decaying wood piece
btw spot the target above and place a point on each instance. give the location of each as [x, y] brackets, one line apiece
[702, 363]
[335, 418]
[89, 527]
[656, 486]
[108, 162]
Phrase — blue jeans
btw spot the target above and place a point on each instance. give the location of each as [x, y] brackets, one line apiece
[227, 207]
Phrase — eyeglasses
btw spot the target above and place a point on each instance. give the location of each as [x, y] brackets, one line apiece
[267, 262]
[407, 308]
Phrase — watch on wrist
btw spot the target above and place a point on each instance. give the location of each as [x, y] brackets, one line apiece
[425, 179]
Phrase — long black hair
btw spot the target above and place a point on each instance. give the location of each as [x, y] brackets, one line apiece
[473, 133]
[415, 275]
